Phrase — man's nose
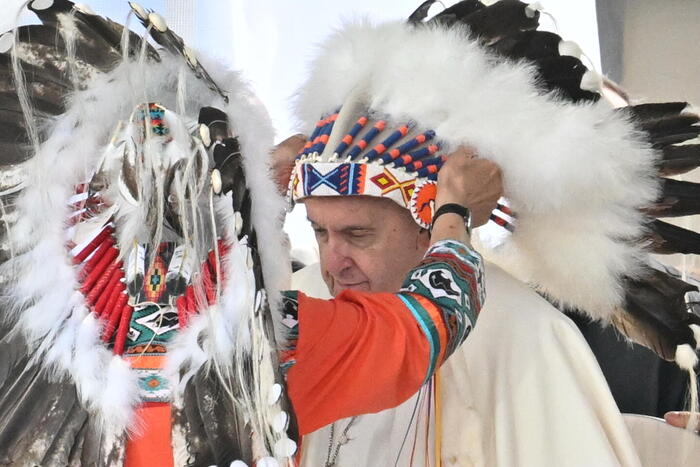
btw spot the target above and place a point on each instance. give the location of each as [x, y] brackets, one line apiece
[337, 257]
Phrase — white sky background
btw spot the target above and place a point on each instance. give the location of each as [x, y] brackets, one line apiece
[272, 41]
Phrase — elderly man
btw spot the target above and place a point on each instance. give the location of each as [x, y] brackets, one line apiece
[395, 101]
[505, 396]
[339, 364]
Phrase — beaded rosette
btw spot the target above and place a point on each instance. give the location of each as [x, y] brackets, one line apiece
[119, 276]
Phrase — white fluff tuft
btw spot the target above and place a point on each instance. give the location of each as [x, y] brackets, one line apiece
[575, 174]
[118, 376]
[686, 357]
[186, 354]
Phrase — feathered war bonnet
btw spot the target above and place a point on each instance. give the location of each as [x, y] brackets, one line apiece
[581, 178]
[144, 189]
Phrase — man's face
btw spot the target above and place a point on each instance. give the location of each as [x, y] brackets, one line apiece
[365, 243]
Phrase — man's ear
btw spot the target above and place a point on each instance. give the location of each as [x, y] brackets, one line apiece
[282, 159]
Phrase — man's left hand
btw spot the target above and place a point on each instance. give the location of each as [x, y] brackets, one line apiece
[471, 182]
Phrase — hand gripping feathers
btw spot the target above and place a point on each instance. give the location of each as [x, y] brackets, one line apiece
[131, 219]
[583, 180]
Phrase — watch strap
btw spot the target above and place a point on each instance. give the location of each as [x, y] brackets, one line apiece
[454, 208]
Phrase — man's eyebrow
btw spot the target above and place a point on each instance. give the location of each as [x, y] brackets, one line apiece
[347, 228]
[352, 228]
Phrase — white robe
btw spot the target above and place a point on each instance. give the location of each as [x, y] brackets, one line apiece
[523, 390]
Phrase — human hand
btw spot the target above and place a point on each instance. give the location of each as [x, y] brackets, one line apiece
[282, 159]
[471, 182]
[680, 419]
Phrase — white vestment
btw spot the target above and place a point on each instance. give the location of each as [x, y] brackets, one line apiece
[523, 390]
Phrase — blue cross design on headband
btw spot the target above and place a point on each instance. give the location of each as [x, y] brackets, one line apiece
[340, 179]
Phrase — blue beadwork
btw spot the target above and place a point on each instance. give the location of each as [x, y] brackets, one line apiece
[343, 146]
[367, 138]
[425, 163]
[416, 155]
[408, 145]
[387, 143]
[325, 131]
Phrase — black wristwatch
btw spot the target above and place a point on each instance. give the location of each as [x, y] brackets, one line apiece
[455, 209]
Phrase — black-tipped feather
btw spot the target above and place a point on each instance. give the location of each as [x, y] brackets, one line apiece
[176, 45]
[666, 239]
[508, 27]
[49, 73]
[531, 45]
[11, 150]
[679, 159]
[677, 198]
[563, 75]
[671, 129]
[40, 419]
[662, 141]
[654, 111]
[421, 12]
[188, 419]
[90, 51]
[457, 12]
[670, 125]
[47, 69]
[657, 316]
[67, 437]
[226, 152]
[228, 437]
[96, 32]
[500, 19]
[98, 451]
[217, 122]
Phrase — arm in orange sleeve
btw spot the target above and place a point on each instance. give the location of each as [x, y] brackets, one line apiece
[365, 352]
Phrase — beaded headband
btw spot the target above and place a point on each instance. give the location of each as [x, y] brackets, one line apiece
[375, 158]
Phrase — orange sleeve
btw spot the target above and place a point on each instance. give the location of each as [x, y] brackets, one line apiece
[355, 354]
[365, 352]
